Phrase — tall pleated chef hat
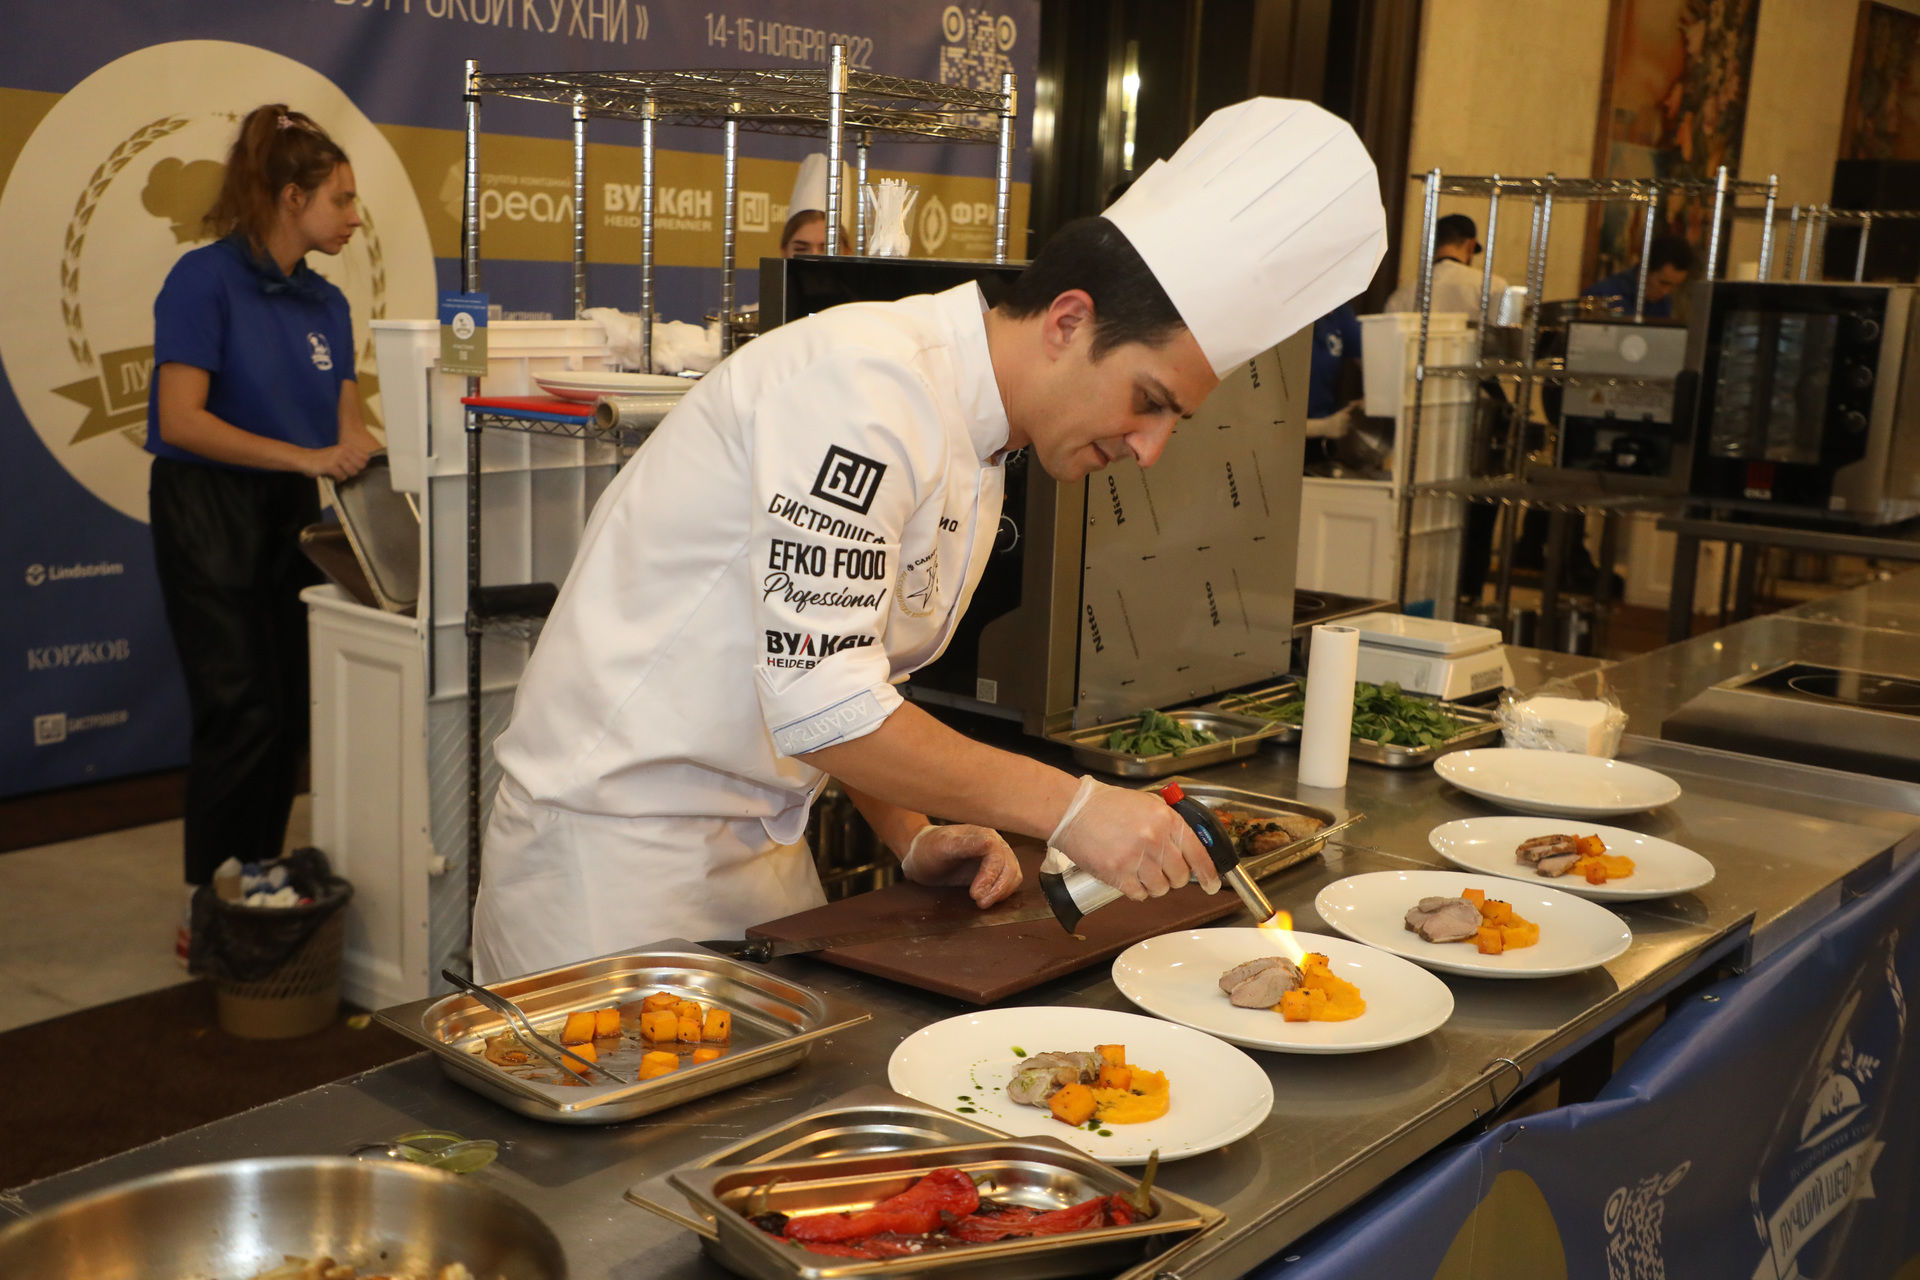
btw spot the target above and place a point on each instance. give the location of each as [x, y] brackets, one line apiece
[1264, 220]
[810, 189]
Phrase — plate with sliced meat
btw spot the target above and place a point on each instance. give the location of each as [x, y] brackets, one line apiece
[1602, 863]
[1015, 1068]
[1231, 983]
[1480, 925]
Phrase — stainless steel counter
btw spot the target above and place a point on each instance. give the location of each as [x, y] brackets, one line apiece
[1789, 845]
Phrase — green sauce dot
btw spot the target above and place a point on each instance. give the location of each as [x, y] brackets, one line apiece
[965, 1110]
[1106, 1133]
[1018, 1052]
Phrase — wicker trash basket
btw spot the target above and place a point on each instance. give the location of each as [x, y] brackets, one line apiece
[275, 970]
[296, 999]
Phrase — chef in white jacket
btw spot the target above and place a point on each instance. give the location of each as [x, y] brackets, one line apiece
[805, 529]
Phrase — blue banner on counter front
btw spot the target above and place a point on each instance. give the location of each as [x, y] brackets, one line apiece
[1766, 1131]
[114, 124]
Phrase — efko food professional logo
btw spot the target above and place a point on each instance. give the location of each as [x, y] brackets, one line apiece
[107, 194]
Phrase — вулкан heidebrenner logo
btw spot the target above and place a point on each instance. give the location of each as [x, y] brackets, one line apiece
[848, 480]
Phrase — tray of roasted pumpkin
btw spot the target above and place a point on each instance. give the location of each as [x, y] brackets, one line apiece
[672, 1020]
[1007, 1208]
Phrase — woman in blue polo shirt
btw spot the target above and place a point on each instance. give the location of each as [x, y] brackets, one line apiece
[253, 398]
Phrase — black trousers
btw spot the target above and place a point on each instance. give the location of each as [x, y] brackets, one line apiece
[227, 546]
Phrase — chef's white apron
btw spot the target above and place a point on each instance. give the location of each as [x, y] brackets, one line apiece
[575, 885]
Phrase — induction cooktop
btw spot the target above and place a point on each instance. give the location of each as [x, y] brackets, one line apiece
[1836, 717]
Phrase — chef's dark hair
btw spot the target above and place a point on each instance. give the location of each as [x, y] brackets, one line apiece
[1670, 251]
[1090, 254]
[276, 146]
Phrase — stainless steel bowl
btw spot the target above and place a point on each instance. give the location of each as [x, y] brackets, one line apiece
[237, 1219]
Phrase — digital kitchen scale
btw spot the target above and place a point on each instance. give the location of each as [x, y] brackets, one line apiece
[1426, 655]
[1835, 717]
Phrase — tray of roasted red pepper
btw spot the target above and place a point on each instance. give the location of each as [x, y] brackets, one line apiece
[1017, 1209]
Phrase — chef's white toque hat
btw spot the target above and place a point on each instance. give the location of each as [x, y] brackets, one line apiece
[1264, 220]
[810, 189]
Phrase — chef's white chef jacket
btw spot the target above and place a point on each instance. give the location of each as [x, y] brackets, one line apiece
[1456, 287]
[799, 535]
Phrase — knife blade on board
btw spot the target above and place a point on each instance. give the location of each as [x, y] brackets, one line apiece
[761, 950]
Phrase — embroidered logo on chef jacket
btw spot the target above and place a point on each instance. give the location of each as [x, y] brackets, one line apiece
[848, 479]
[918, 585]
[321, 352]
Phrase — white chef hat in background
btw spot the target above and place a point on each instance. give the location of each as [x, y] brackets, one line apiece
[810, 189]
[1264, 220]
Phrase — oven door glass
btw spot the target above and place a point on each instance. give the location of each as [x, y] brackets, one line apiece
[1770, 399]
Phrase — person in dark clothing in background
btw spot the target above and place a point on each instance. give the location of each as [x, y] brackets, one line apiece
[1669, 263]
[253, 399]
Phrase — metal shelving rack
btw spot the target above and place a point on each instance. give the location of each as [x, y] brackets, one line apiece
[1517, 488]
[829, 102]
[1807, 235]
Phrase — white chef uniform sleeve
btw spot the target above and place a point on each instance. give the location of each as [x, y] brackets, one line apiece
[839, 452]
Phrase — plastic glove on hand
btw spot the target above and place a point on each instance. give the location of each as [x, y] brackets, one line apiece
[974, 856]
[1132, 840]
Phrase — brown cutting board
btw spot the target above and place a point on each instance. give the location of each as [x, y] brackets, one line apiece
[984, 965]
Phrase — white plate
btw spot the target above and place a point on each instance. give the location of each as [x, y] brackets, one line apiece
[592, 385]
[1219, 1093]
[1660, 867]
[1558, 782]
[1575, 935]
[1177, 977]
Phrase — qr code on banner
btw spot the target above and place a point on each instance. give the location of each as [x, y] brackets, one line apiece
[978, 51]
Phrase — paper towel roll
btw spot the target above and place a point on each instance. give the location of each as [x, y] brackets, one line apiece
[1326, 729]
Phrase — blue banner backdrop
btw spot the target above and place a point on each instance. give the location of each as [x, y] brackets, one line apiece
[1757, 1135]
[114, 120]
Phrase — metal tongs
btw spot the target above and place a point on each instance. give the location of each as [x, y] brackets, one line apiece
[523, 1027]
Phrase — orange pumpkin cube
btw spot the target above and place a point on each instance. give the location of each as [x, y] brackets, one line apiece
[585, 1050]
[1295, 1005]
[1072, 1104]
[718, 1026]
[659, 1000]
[707, 1053]
[688, 1031]
[606, 1022]
[1490, 940]
[659, 1026]
[658, 1064]
[1114, 1054]
[579, 1028]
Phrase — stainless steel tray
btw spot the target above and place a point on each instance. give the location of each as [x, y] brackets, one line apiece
[1042, 1172]
[865, 1121]
[1259, 805]
[383, 528]
[1239, 736]
[775, 1024]
[1484, 722]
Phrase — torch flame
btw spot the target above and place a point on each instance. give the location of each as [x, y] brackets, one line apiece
[1279, 930]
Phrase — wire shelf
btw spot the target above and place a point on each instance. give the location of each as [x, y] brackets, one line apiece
[766, 100]
[1458, 184]
[577, 429]
[522, 626]
[1507, 491]
[1551, 371]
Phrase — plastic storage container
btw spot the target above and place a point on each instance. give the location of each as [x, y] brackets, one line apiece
[421, 406]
